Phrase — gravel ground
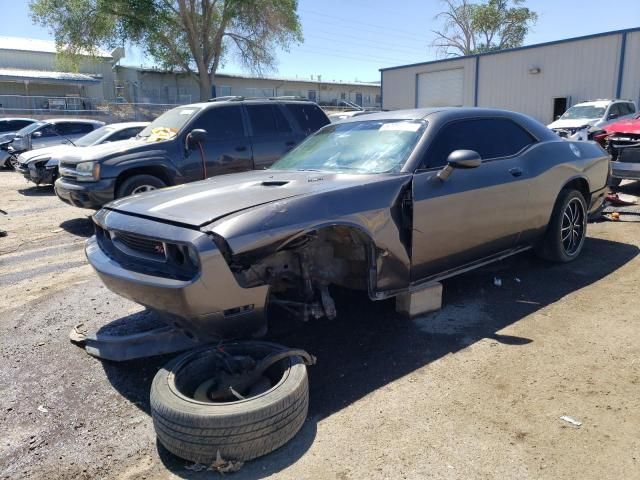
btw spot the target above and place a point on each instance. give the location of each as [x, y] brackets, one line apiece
[474, 391]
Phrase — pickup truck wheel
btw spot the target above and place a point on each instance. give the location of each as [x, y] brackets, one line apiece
[139, 184]
[567, 229]
[245, 425]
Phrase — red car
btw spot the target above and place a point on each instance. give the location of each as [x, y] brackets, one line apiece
[622, 141]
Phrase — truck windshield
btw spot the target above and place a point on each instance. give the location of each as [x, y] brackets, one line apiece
[583, 111]
[167, 125]
[372, 146]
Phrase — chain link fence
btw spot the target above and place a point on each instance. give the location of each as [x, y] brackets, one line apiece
[42, 107]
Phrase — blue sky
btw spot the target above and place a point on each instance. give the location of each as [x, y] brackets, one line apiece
[351, 39]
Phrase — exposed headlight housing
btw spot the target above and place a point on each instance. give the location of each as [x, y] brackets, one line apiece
[87, 171]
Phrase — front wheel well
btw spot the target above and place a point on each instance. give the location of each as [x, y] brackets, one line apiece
[155, 170]
[337, 254]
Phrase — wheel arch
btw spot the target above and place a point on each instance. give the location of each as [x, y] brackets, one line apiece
[155, 170]
[580, 184]
[365, 237]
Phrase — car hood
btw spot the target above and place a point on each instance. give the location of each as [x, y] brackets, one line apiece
[108, 150]
[573, 123]
[199, 203]
[7, 137]
[44, 153]
[629, 125]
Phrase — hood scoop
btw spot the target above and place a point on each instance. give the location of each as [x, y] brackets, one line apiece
[274, 183]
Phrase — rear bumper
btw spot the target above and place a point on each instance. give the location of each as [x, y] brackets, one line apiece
[209, 306]
[85, 194]
[625, 170]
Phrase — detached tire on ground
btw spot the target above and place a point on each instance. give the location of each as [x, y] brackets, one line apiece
[138, 184]
[240, 430]
[567, 229]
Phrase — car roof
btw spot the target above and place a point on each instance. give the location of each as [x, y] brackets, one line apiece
[423, 113]
[9, 119]
[125, 125]
[74, 120]
[240, 100]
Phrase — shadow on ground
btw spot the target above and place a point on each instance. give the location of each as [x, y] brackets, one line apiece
[37, 191]
[81, 226]
[369, 345]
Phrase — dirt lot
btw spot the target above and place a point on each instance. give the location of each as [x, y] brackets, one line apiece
[474, 391]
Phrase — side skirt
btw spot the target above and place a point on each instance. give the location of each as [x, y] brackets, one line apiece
[419, 285]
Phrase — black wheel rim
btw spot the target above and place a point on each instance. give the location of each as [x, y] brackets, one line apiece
[573, 227]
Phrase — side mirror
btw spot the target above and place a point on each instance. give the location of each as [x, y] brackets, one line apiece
[463, 159]
[612, 116]
[36, 134]
[194, 137]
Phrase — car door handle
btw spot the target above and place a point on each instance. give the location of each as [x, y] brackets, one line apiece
[241, 148]
[515, 171]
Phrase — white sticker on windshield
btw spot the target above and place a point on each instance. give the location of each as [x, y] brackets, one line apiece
[186, 112]
[400, 127]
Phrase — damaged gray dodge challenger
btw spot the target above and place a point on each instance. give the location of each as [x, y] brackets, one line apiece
[384, 203]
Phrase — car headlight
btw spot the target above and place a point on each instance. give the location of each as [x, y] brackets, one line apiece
[87, 171]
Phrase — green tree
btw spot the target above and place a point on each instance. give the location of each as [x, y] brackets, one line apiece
[195, 36]
[470, 28]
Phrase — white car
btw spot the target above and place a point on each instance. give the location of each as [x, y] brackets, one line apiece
[46, 133]
[41, 165]
[587, 117]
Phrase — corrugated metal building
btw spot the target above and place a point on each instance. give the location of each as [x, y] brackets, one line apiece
[30, 67]
[144, 85]
[537, 80]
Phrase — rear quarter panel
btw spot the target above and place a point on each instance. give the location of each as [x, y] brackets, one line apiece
[553, 166]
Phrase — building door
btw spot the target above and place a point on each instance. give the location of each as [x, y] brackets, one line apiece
[311, 95]
[359, 99]
[560, 105]
[444, 88]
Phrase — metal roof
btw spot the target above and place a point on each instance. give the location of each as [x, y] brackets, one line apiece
[15, 74]
[515, 49]
[255, 77]
[37, 45]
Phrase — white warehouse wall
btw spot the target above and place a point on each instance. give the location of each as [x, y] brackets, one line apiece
[582, 68]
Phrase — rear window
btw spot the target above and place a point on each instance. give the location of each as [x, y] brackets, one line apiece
[308, 116]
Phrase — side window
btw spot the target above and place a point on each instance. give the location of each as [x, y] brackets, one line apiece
[490, 137]
[13, 125]
[615, 111]
[282, 123]
[74, 128]
[308, 116]
[221, 123]
[263, 120]
[48, 131]
[630, 107]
